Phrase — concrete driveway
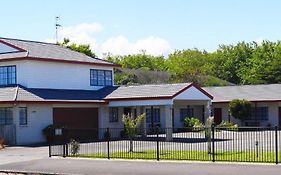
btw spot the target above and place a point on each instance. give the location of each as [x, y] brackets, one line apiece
[117, 167]
[22, 153]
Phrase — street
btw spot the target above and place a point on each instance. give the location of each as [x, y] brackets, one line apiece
[138, 167]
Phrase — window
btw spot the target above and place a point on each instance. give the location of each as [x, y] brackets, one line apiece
[186, 112]
[156, 115]
[23, 115]
[6, 116]
[100, 77]
[259, 113]
[7, 75]
[113, 114]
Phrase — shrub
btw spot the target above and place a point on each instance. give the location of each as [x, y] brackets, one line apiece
[2, 143]
[240, 109]
[228, 125]
[192, 122]
[74, 147]
[49, 132]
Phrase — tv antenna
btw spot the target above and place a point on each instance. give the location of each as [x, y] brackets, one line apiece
[57, 25]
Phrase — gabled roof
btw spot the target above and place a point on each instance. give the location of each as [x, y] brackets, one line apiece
[258, 93]
[41, 51]
[141, 92]
[152, 91]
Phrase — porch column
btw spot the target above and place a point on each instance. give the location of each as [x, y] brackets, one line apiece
[207, 110]
[168, 122]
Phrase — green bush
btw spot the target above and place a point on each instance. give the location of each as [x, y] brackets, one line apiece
[228, 125]
[240, 109]
[192, 122]
[74, 147]
[49, 132]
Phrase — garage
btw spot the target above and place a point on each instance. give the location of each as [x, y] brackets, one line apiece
[78, 123]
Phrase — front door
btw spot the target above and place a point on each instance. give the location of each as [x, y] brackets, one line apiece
[217, 115]
[279, 117]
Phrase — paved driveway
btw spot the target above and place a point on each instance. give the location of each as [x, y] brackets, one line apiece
[21, 153]
[116, 167]
[262, 141]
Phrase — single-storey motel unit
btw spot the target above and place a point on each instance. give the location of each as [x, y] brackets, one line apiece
[43, 83]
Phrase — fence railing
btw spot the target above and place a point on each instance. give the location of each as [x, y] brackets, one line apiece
[243, 144]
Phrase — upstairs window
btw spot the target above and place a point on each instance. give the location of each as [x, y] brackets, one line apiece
[7, 75]
[100, 77]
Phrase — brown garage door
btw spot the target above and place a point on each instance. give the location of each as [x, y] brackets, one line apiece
[79, 123]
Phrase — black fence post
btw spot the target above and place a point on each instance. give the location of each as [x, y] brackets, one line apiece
[276, 145]
[213, 143]
[108, 139]
[63, 141]
[63, 150]
[50, 154]
[66, 149]
[157, 143]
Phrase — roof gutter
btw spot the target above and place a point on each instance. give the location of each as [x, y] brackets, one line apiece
[58, 60]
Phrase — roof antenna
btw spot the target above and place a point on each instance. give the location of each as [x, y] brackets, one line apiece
[57, 26]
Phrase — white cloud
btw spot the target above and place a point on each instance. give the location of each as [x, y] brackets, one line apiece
[120, 45]
[80, 34]
[259, 40]
[85, 34]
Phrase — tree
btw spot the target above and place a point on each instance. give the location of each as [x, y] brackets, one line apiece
[208, 132]
[187, 64]
[82, 48]
[240, 109]
[242, 63]
[130, 126]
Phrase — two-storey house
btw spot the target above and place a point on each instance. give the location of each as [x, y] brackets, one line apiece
[43, 84]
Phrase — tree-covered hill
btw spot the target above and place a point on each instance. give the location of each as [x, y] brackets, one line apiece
[243, 63]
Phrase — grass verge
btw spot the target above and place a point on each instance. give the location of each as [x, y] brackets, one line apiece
[265, 157]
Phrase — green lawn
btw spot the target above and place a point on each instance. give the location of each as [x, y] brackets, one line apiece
[191, 155]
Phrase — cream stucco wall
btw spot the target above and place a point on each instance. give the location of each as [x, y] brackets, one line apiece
[38, 117]
[273, 112]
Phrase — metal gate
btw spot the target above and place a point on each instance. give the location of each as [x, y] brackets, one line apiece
[8, 133]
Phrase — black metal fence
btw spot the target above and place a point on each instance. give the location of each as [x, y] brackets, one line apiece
[243, 144]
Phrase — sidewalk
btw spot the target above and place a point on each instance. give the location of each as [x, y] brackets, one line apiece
[138, 167]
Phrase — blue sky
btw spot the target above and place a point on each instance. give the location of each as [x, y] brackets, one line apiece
[158, 26]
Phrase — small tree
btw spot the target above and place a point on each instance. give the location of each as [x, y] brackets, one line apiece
[240, 109]
[131, 125]
[208, 133]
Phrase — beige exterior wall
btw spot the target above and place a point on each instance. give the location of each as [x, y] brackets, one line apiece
[273, 112]
[38, 117]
